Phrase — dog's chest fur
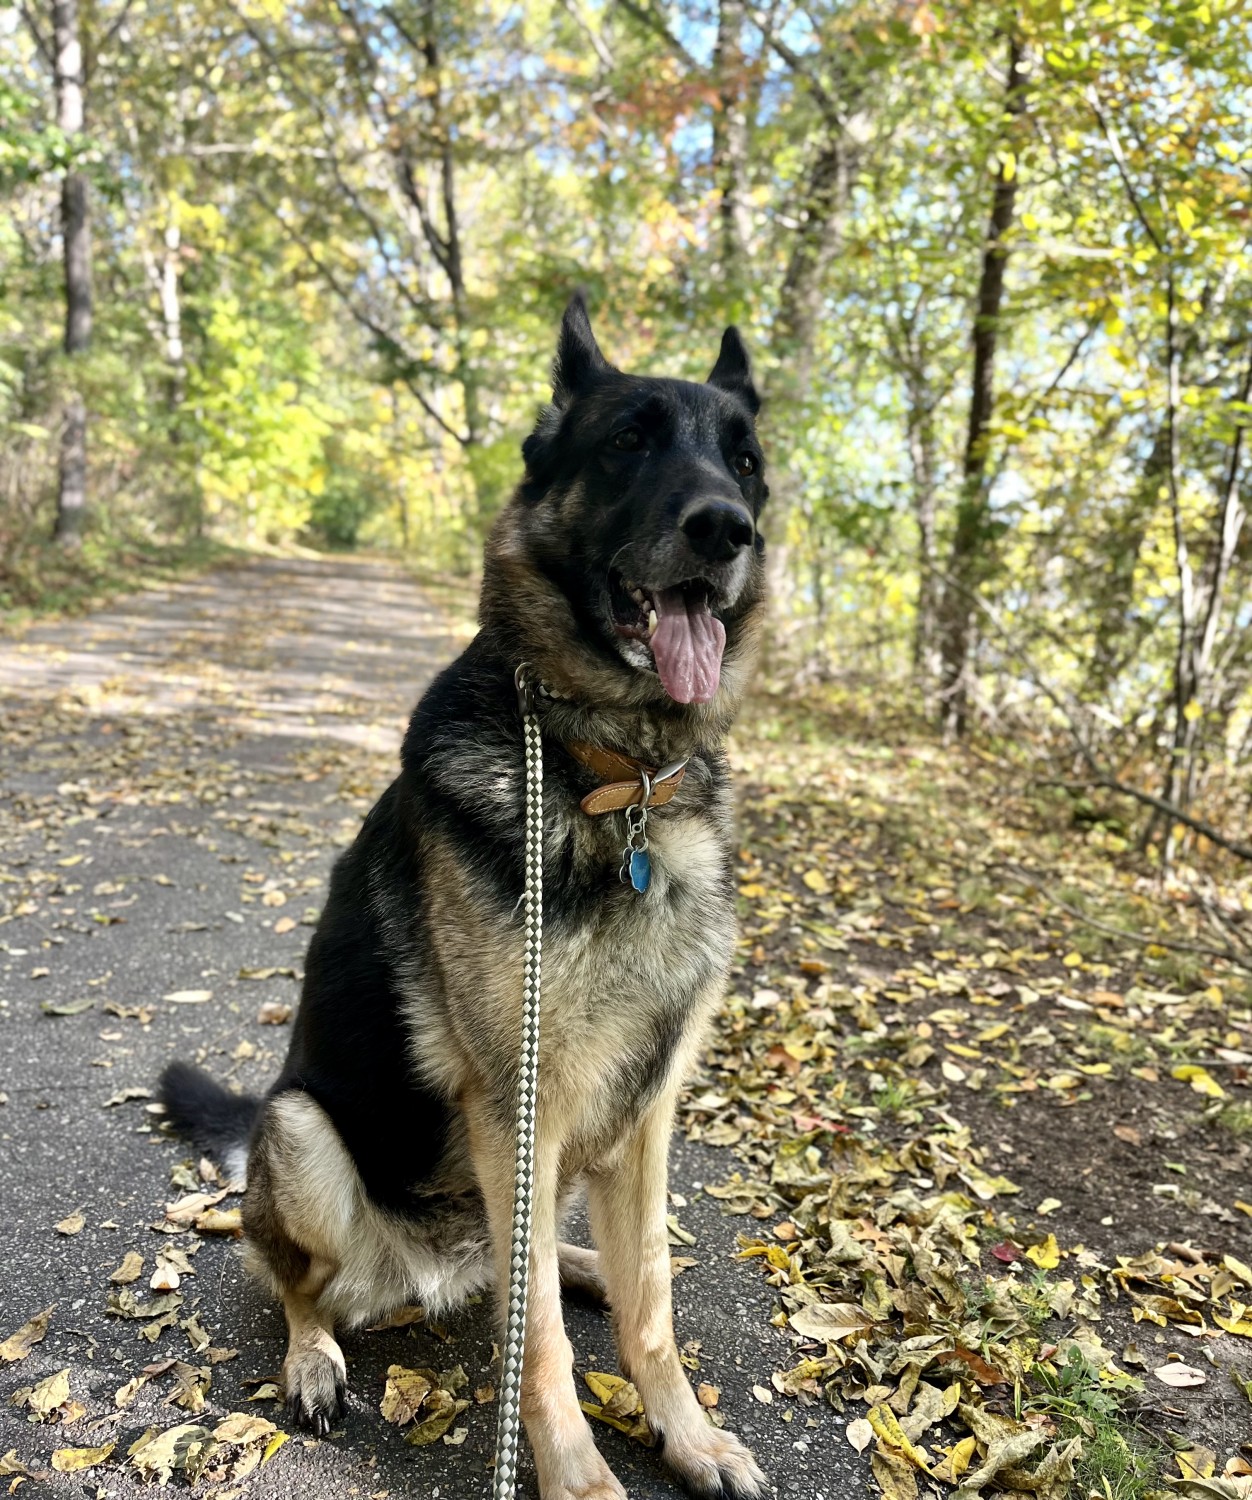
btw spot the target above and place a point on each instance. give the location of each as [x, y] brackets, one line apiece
[627, 978]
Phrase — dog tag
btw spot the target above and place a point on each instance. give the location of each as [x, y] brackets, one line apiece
[640, 870]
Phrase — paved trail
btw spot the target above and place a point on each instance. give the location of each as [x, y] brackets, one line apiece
[176, 774]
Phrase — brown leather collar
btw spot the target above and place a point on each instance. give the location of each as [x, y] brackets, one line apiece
[623, 779]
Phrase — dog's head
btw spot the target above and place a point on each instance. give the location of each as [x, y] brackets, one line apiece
[637, 523]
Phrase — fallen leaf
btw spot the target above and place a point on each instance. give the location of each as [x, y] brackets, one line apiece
[1180, 1376]
[73, 1224]
[220, 1221]
[130, 1269]
[241, 1427]
[50, 1393]
[831, 1321]
[71, 1460]
[19, 1344]
[404, 1393]
[67, 1007]
[860, 1434]
[1046, 1256]
[186, 1448]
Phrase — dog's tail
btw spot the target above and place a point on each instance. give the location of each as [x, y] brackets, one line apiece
[218, 1122]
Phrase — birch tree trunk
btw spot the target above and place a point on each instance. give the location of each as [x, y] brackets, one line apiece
[76, 237]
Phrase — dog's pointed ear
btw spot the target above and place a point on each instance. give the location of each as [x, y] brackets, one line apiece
[578, 358]
[733, 371]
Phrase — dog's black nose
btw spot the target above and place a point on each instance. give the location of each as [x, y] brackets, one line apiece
[717, 529]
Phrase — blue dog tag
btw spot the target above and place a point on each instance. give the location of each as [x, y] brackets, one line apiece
[640, 870]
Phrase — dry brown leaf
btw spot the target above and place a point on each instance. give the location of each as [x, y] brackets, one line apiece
[130, 1269]
[19, 1344]
[404, 1393]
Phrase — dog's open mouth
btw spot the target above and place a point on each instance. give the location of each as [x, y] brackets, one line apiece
[678, 627]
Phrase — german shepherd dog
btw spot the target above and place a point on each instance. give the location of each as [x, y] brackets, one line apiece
[627, 573]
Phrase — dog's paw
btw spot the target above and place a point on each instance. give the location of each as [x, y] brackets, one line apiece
[583, 1475]
[315, 1385]
[713, 1464]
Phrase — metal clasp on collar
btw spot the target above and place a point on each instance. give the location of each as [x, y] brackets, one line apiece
[526, 689]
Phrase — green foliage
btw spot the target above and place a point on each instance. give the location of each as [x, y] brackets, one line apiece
[332, 243]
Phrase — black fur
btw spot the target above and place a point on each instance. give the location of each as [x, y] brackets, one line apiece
[582, 504]
[199, 1107]
[639, 494]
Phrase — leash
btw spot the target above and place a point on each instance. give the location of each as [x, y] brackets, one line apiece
[508, 1431]
[645, 787]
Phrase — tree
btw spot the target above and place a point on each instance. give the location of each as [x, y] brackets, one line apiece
[69, 82]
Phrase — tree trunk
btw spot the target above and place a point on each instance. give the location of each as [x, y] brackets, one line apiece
[76, 237]
[816, 239]
[172, 312]
[921, 437]
[815, 242]
[453, 259]
[1200, 603]
[969, 559]
[1114, 634]
[730, 149]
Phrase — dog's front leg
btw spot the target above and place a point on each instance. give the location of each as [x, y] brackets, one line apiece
[627, 1203]
[568, 1462]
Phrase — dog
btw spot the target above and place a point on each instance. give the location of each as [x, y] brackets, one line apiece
[627, 574]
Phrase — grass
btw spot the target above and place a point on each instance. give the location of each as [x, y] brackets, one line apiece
[1117, 1461]
[1237, 1118]
[50, 580]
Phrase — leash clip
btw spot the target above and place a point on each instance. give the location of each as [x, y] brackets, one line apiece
[526, 703]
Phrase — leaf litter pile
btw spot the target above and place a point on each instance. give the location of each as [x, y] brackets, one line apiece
[991, 1160]
[901, 1015]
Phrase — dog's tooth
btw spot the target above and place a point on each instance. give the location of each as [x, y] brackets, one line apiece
[651, 622]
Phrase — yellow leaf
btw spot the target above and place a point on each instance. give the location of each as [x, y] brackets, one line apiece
[1186, 217]
[274, 1444]
[753, 890]
[887, 1427]
[18, 1345]
[956, 1461]
[1196, 1463]
[615, 1392]
[893, 1474]
[816, 881]
[129, 1270]
[1241, 1326]
[220, 1221]
[1200, 1079]
[70, 1460]
[1046, 1256]
[1237, 1267]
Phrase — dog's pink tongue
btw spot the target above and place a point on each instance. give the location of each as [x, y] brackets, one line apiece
[687, 645]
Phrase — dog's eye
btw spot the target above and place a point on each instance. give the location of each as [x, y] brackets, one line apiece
[628, 440]
[745, 465]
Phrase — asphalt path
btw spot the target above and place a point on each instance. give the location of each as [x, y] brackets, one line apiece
[177, 773]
